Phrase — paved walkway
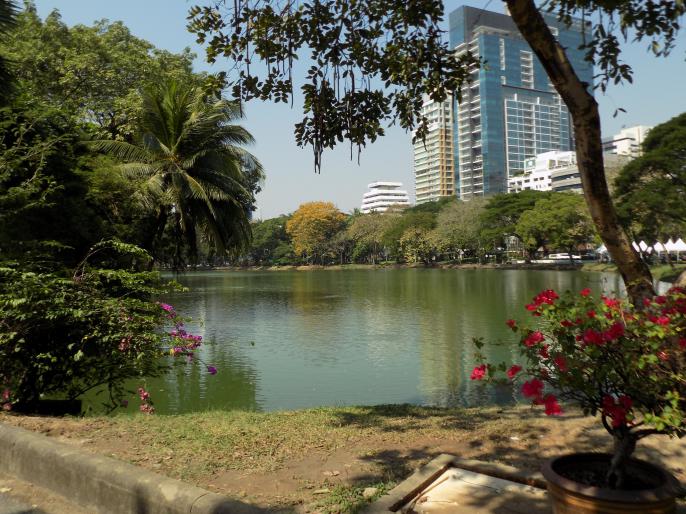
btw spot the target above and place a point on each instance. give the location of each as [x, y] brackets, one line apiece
[20, 497]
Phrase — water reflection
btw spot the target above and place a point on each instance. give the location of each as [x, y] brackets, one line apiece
[285, 340]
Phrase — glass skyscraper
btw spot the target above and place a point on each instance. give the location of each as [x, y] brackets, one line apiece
[510, 111]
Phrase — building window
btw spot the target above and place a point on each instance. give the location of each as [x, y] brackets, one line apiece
[527, 68]
[502, 54]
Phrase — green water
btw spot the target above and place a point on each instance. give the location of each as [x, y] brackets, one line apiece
[287, 340]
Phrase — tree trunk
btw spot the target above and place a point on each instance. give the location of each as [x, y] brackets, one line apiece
[586, 120]
[624, 446]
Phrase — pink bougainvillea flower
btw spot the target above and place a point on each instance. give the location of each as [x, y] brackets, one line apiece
[534, 338]
[561, 363]
[663, 356]
[124, 403]
[167, 307]
[143, 394]
[532, 388]
[6, 395]
[585, 292]
[512, 372]
[211, 370]
[512, 324]
[552, 408]
[478, 372]
[7, 406]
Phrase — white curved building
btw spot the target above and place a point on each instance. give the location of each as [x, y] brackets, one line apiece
[382, 195]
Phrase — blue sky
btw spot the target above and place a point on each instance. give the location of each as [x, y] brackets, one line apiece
[656, 95]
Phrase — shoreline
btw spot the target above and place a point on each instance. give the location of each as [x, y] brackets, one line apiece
[662, 272]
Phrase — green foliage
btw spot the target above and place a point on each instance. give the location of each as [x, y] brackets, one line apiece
[94, 73]
[268, 238]
[650, 190]
[458, 232]
[8, 13]
[371, 62]
[559, 221]
[63, 336]
[191, 167]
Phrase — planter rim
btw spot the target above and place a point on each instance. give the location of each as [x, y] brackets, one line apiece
[667, 490]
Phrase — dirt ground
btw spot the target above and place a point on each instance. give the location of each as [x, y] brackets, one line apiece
[329, 473]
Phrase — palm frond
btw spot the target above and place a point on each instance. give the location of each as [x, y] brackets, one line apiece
[121, 150]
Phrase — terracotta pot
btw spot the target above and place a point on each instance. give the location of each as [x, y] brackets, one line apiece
[570, 497]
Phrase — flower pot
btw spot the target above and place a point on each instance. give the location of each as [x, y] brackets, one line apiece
[652, 491]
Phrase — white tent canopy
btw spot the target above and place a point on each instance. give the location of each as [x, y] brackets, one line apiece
[680, 245]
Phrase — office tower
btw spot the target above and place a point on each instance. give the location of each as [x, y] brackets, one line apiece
[434, 170]
[628, 142]
[383, 195]
[510, 111]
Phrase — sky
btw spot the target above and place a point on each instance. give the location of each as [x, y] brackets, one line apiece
[656, 95]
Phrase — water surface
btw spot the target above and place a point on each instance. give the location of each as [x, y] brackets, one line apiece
[294, 339]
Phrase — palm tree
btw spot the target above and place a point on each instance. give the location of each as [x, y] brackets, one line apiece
[192, 167]
[8, 18]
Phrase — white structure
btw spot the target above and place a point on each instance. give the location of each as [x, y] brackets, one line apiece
[382, 195]
[549, 171]
[434, 170]
[627, 142]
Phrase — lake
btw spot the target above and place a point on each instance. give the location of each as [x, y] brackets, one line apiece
[294, 339]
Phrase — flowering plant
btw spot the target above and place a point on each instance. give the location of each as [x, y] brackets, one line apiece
[623, 362]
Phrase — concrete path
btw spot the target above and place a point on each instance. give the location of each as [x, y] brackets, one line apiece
[9, 505]
[21, 497]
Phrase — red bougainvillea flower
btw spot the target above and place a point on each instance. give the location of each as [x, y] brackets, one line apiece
[533, 338]
[512, 372]
[561, 363]
[512, 324]
[566, 323]
[593, 337]
[543, 351]
[662, 320]
[647, 302]
[532, 388]
[682, 342]
[478, 372]
[663, 356]
[616, 409]
[615, 331]
[612, 303]
[591, 314]
[660, 300]
[531, 307]
[552, 408]
[585, 292]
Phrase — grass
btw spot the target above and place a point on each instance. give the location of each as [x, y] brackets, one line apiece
[662, 272]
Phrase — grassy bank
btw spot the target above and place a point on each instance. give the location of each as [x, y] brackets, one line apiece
[320, 460]
[662, 272]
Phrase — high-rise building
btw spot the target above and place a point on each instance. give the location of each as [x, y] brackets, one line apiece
[383, 195]
[628, 142]
[434, 170]
[509, 111]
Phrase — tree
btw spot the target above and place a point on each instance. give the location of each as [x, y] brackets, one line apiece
[457, 230]
[267, 236]
[367, 232]
[415, 245]
[560, 221]
[311, 228]
[8, 14]
[501, 214]
[398, 225]
[373, 60]
[187, 156]
[95, 72]
[651, 190]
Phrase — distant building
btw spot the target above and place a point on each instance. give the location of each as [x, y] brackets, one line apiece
[628, 142]
[510, 111]
[547, 172]
[382, 195]
[434, 169]
[558, 171]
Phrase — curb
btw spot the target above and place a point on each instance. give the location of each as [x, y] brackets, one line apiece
[102, 483]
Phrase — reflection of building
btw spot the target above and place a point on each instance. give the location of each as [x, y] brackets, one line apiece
[434, 171]
[382, 195]
[627, 142]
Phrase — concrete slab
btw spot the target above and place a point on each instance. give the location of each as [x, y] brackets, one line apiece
[458, 491]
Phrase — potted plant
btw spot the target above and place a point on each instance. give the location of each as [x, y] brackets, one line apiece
[625, 364]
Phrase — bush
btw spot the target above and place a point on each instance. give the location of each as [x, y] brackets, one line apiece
[63, 336]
